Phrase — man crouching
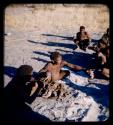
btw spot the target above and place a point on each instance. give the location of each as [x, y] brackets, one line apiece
[53, 68]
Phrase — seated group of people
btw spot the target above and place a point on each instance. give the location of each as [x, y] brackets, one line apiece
[101, 48]
[25, 87]
[45, 81]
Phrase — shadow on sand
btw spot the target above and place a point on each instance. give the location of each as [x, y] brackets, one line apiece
[63, 37]
[59, 44]
[9, 71]
[62, 50]
[41, 53]
[100, 94]
[94, 40]
[39, 59]
[31, 41]
[78, 58]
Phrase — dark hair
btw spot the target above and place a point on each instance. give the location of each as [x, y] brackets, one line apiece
[82, 27]
[24, 70]
[54, 55]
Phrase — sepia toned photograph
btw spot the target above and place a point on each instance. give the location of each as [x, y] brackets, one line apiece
[56, 62]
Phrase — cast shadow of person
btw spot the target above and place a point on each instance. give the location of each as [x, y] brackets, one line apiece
[39, 59]
[79, 58]
[63, 37]
[55, 44]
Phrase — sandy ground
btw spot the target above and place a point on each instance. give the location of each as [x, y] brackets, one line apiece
[35, 31]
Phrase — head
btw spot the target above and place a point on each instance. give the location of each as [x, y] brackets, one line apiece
[24, 73]
[56, 57]
[82, 28]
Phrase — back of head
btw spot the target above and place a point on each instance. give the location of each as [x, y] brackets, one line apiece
[82, 27]
[24, 70]
[54, 55]
[22, 76]
[24, 73]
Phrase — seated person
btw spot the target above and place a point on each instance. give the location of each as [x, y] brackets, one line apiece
[22, 86]
[106, 37]
[53, 68]
[21, 89]
[82, 38]
[103, 61]
[103, 42]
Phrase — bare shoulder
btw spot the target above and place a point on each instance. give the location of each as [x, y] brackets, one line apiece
[86, 33]
[47, 65]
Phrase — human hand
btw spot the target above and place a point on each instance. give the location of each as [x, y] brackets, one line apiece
[34, 88]
[48, 77]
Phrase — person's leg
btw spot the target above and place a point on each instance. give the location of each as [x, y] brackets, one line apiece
[81, 44]
[76, 43]
[105, 72]
[98, 63]
[103, 57]
[85, 43]
[64, 74]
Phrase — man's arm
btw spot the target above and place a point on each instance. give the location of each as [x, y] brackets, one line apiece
[72, 66]
[45, 73]
[30, 92]
[78, 36]
[77, 68]
[34, 88]
[88, 36]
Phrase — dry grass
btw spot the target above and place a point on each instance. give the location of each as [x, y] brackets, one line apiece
[57, 17]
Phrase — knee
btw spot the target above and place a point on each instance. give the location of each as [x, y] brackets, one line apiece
[76, 41]
[105, 72]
